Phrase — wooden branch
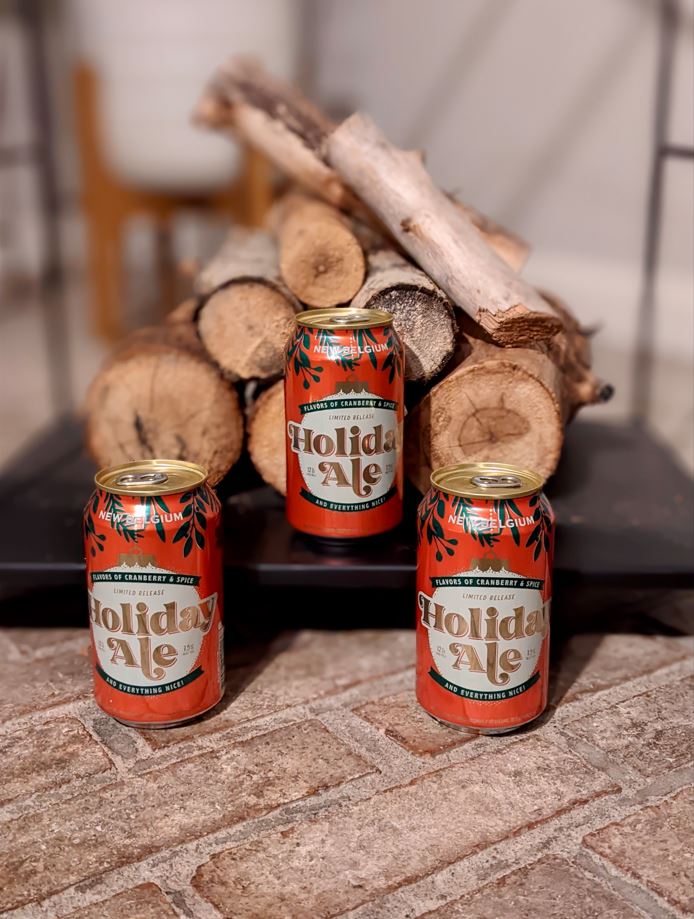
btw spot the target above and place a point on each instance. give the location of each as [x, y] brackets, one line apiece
[277, 120]
[266, 437]
[245, 321]
[274, 118]
[159, 396]
[570, 351]
[321, 260]
[423, 316]
[440, 238]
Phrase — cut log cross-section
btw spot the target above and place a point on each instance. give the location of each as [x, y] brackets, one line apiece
[321, 259]
[266, 437]
[245, 321]
[503, 405]
[159, 396]
[422, 313]
[438, 234]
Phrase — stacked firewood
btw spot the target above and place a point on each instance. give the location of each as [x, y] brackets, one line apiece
[494, 368]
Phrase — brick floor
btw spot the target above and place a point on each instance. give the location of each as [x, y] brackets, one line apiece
[551, 888]
[29, 686]
[652, 732]
[295, 669]
[401, 719]
[146, 901]
[319, 788]
[38, 757]
[655, 846]
[432, 821]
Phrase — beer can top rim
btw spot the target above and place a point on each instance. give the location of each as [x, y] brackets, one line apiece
[344, 317]
[151, 477]
[486, 480]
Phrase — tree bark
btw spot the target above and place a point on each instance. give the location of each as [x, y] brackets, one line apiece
[266, 437]
[505, 404]
[246, 317]
[159, 396]
[277, 120]
[274, 118]
[422, 313]
[320, 257]
[438, 235]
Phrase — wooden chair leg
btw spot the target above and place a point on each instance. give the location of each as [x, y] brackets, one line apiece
[168, 293]
[256, 184]
[105, 280]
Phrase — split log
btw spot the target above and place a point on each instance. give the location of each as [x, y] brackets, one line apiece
[159, 396]
[438, 235]
[277, 120]
[274, 118]
[246, 319]
[266, 437]
[569, 350]
[501, 404]
[423, 316]
[321, 260]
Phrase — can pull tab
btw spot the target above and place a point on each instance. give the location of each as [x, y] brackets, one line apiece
[496, 481]
[142, 478]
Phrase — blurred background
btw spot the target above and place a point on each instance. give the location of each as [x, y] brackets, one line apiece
[569, 122]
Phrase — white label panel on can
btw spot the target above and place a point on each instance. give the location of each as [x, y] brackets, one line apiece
[148, 626]
[485, 632]
[347, 447]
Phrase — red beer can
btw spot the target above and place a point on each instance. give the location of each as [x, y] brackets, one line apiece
[484, 587]
[154, 577]
[344, 413]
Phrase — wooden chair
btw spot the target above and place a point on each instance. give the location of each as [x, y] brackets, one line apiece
[109, 204]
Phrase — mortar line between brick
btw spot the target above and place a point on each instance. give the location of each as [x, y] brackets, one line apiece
[39, 715]
[155, 864]
[121, 765]
[625, 886]
[243, 730]
[626, 777]
[374, 746]
[602, 699]
[192, 853]
[561, 834]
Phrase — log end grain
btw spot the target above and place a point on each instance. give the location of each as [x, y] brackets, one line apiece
[244, 328]
[425, 323]
[321, 263]
[321, 258]
[494, 411]
[164, 402]
[517, 326]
